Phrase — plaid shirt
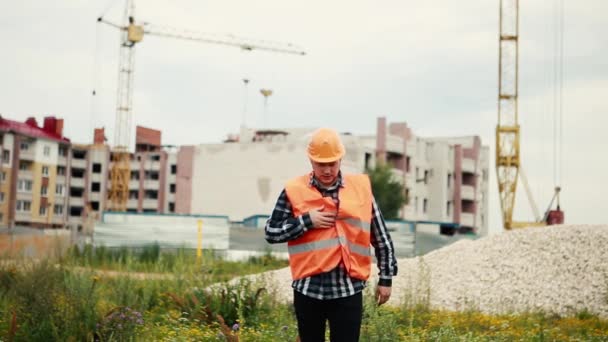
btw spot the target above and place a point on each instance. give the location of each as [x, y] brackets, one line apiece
[282, 226]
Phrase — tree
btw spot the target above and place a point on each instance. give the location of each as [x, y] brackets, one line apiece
[389, 192]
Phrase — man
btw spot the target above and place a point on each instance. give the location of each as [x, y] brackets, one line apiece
[329, 221]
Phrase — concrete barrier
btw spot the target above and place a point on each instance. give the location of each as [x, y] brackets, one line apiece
[168, 231]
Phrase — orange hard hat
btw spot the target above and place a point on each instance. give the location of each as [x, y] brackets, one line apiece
[325, 146]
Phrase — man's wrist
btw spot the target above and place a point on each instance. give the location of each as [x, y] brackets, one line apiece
[388, 282]
[307, 221]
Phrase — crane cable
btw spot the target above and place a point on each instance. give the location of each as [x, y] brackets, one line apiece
[558, 90]
[96, 68]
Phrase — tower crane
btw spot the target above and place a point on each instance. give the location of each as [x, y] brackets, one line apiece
[508, 163]
[133, 33]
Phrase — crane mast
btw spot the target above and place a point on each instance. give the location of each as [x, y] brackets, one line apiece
[507, 130]
[508, 157]
[131, 34]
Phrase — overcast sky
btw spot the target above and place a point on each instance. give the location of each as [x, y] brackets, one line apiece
[432, 64]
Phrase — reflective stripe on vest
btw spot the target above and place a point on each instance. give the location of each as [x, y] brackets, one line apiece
[334, 242]
[320, 250]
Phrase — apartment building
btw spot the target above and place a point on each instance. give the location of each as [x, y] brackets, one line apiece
[45, 181]
[153, 183]
[34, 173]
[445, 179]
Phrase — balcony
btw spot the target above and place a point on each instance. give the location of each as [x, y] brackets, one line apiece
[467, 192]
[79, 163]
[134, 184]
[467, 219]
[62, 160]
[25, 174]
[132, 203]
[394, 144]
[134, 165]
[23, 216]
[152, 165]
[76, 202]
[151, 184]
[468, 165]
[77, 182]
[150, 204]
[28, 154]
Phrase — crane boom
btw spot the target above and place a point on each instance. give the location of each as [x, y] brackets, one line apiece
[131, 34]
[224, 39]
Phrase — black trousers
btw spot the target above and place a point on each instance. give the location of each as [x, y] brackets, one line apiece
[344, 316]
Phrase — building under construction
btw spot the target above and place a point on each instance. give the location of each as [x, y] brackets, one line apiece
[48, 181]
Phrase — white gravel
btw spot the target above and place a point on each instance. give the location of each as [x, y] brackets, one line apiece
[559, 269]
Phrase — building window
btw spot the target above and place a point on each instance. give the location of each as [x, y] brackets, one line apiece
[1, 197]
[23, 205]
[24, 146]
[95, 187]
[133, 194]
[62, 151]
[45, 170]
[425, 204]
[43, 190]
[95, 206]
[6, 156]
[42, 211]
[2, 176]
[96, 168]
[151, 175]
[134, 175]
[75, 211]
[58, 209]
[172, 188]
[449, 180]
[59, 189]
[24, 185]
[448, 208]
[47, 150]
[171, 207]
[76, 192]
[151, 194]
[1, 217]
[416, 204]
[60, 170]
[79, 154]
[23, 166]
[173, 169]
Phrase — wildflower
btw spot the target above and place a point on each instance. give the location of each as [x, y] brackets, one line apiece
[235, 327]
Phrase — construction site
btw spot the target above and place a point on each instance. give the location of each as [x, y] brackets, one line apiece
[495, 216]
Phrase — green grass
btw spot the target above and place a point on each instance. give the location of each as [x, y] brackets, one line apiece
[72, 299]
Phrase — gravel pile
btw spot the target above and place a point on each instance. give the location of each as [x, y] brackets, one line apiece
[559, 269]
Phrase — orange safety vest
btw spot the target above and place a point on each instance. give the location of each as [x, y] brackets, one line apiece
[321, 250]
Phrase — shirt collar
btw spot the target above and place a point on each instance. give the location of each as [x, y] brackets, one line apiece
[339, 182]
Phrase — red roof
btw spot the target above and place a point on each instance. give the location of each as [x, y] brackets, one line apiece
[30, 128]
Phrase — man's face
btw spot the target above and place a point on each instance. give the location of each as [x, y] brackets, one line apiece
[326, 173]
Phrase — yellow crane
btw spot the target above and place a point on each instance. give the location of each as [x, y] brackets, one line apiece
[132, 34]
[508, 163]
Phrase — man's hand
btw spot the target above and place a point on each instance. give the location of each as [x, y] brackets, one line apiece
[322, 219]
[383, 293]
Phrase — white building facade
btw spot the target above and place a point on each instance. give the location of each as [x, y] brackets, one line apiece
[445, 178]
